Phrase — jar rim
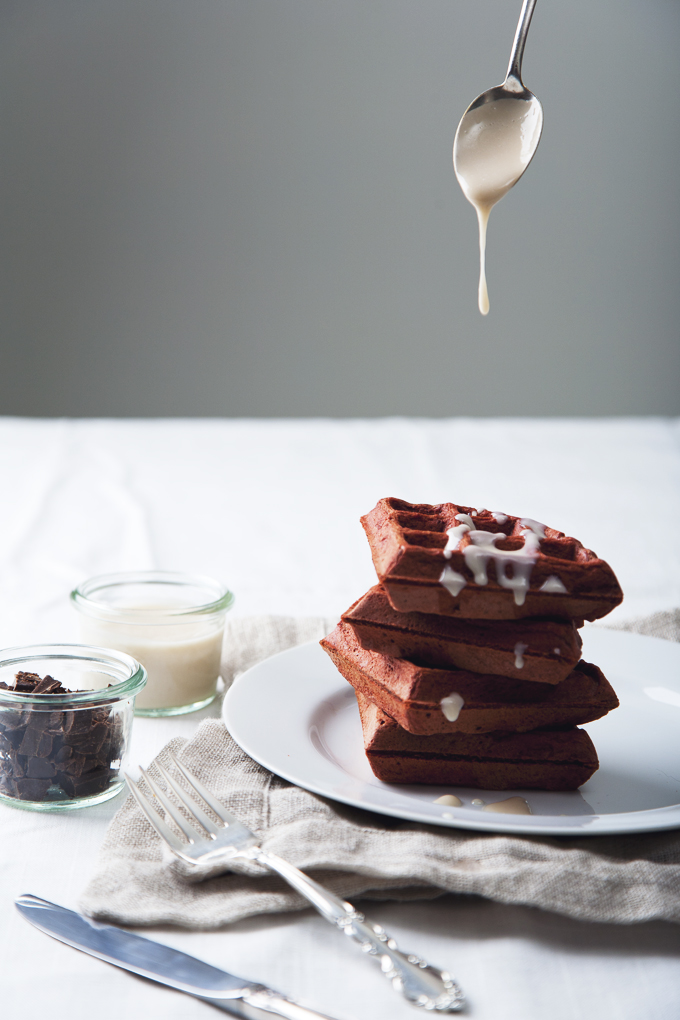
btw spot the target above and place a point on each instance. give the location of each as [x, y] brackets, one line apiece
[84, 597]
[22, 654]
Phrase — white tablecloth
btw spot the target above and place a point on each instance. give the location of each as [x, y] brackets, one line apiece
[272, 508]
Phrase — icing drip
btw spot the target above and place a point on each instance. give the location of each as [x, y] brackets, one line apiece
[498, 517]
[534, 526]
[482, 548]
[455, 535]
[479, 552]
[452, 580]
[520, 649]
[511, 806]
[451, 706]
[556, 651]
[449, 799]
[553, 584]
[466, 519]
[477, 802]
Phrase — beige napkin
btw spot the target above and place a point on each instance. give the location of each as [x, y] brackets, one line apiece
[355, 853]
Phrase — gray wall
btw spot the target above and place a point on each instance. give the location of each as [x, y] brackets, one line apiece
[247, 207]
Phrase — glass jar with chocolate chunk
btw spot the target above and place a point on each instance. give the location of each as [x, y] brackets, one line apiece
[65, 720]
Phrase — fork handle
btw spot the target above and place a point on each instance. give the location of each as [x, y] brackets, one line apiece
[420, 983]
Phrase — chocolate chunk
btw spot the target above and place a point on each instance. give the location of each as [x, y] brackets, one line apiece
[39, 768]
[36, 742]
[32, 789]
[86, 786]
[10, 718]
[48, 685]
[90, 741]
[15, 736]
[32, 683]
[19, 764]
[7, 785]
[23, 677]
[76, 764]
[62, 755]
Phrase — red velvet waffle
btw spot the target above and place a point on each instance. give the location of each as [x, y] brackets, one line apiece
[543, 759]
[412, 695]
[529, 570]
[545, 651]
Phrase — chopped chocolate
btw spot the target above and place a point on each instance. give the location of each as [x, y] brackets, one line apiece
[39, 768]
[31, 683]
[88, 785]
[56, 755]
[48, 685]
[32, 789]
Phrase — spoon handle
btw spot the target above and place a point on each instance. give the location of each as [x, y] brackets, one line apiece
[517, 53]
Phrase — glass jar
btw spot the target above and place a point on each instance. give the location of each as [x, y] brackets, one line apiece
[67, 749]
[172, 623]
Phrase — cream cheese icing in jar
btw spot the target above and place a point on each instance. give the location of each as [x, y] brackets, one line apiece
[172, 623]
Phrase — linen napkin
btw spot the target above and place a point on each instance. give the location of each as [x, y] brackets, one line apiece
[355, 853]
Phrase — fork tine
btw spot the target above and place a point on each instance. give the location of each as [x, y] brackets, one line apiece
[154, 818]
[207, 796]
[178, 818]
[190, 803]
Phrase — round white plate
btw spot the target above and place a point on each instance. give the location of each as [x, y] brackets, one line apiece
[296, 715]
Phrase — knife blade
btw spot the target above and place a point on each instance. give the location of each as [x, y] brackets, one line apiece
[161, 963]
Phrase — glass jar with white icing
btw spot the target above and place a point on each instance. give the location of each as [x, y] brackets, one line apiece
[172, 623]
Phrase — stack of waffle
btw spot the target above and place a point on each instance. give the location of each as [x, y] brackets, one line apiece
[465, 658]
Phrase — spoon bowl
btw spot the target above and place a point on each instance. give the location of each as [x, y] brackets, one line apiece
[496, 140]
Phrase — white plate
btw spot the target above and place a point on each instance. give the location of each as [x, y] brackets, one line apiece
[296, 715]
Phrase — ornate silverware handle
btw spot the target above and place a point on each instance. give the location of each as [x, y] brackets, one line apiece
[261, 1003]
[418, 981]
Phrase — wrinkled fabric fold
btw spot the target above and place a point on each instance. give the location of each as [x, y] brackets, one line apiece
[620, 879]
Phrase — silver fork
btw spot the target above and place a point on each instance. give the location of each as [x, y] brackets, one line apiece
[420, 983]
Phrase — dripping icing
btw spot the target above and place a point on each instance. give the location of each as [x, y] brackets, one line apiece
[520, 649]
[456, 534]
[553, 584]
[534, 526]
[451, 706]
[452, 580]
[511, 806]
[449, 800]
[482, 548]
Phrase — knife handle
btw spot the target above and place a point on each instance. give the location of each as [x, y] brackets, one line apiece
[418, 981]
[260, 1003]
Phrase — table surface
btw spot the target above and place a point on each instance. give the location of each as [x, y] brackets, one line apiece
[272, 508]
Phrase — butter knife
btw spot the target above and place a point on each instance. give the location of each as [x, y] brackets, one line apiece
[161, 963]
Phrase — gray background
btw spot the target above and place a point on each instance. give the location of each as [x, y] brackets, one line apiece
[247, 207]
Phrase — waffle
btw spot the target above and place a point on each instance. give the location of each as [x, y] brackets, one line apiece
[543, 759]
[412, 695]
[439, 560]
[544, 651]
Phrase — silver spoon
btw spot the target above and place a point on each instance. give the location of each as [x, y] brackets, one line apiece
[496, 140]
